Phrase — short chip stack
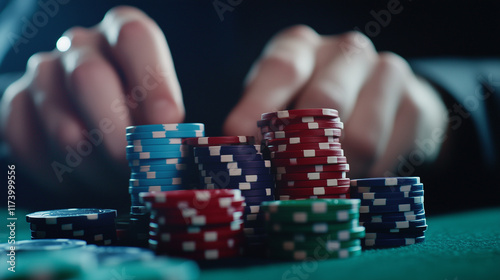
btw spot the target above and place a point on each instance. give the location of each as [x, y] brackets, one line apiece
[234, 162]
[158, 162]
[392, 210]
[305, 153]
[196, 224]
[95, 226]
[313, 228]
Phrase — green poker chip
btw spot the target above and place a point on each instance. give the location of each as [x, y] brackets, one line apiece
[307, 217]
[317, 253]
[316, 206]
[320, 227]
[315, 238]
[328, 245]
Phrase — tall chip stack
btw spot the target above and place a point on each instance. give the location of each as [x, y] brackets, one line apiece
[95, 226]
[392, 210]
[159, 162]
[305, 152]
[313, 229]
[234, 162]
[196, 224]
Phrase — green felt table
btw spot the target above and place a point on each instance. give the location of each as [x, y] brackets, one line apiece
[458, 246]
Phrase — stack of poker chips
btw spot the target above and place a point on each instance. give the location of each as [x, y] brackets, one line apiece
[313, 228]
[392, 210]
[305, 153]
[233, 162]
[159, 162]
[95, 226]
[196, 224]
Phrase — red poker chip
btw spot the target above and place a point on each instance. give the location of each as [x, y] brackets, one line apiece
[200, 220]
[192, 212]
[327, 132]
[186, 245]
[301, 140]
[311, 176]
[313, 191]
[299, 120]
[234, 226]
[303, 126]
[311, 168]
[217, 141]
[307, 154]
[214, 254]
[308, 161]
[297, 113]
[331, 196]
[174, 197]
[218, 203]
[203, 235]
[313, 183]
[306, 146]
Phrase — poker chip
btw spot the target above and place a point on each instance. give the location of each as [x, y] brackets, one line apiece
[312, 168]
[303, 197]
[164, 134]
[313, 191]
[307, 154]
[329, 245]
[155, 182]
[257, 192]
[156, 155]
[196, 245]
[74, 216]
[300, 255]
[137, 190]
[161, 162]
[309, 161]
[159, 168]
[328, 132]
[44, 245]
[298, 113]
[155, 148]
[224, 150]
[303, 126]
[312, 206]
[302, 140]
[199, 220]
[166, 127]
[235, 165]
[312, 238]
[306, 146]
[216, 141]
[311, 176]
[157, 174]
[306, 217]
[237, 179]
[392, 211]
[240, 185]
[296, 120]
[314, 183]
[157, 141]
[227, 158]
[235, 172]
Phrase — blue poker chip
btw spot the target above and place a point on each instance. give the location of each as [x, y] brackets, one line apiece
[392, 189]
[224, 150]
[392, 201]
[394, 242]
[250, 201]
[383, 235]
[166, 127]
[235, 165]
[222, 179]
[254, 224]
[257, 192]
[254, 230]
[86, 216]
[139, 210]
[88, 234]
[117, 255]
[156, 155]
[394, 225]
[255, 238]
[156, 148]
[385, 181]
[158, 174]
[227, 158]
[210, 172]
[164, 134]
[392, 218]
[255, 209]
[254, 217]
[157, 141]
[137, 190]
[390, 195]
[391, 208]
[168, 161]
[154, 182]
[160, 168]
[44, 245]
[241, 186]
[413, 230]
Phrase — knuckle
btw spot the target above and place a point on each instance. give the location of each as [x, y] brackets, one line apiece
[137, 29]
[358, 40]
[85, 71]
[40, 61]
[76, 33]
[301, 32]
[392, 63]
[286, 68]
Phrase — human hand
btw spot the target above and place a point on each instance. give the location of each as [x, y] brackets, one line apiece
[384, 106]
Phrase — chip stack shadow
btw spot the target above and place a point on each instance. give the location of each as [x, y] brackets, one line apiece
[305, 152]
[392, 210]
[234, 162]
[158, 162]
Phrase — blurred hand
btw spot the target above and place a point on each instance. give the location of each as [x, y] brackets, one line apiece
[65, 118]
[384, 106]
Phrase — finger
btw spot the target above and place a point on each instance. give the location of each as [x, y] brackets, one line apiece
[140, 50]
[370, 126]
[284, 67]
[96, 90]
[343, 63]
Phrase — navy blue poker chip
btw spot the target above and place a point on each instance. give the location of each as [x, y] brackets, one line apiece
[227, 158]
[255, 209]
[261, 217]
[224, 179]
[383, 235]
[391, 195]
[396, 242]
[392, 201]
[211, 172]
[254, 230]
[237, 164]
[241, 186]
[413, 230]
[394, 225]
[155, 182]
[391, 218]
[88, 234]
[250, 201]
[258, 192]
[385, 181]
[137, 190]
[391, 208]
[255, 238]
[85, 216]
[224, 150]
[392, 189]
[254, 224]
